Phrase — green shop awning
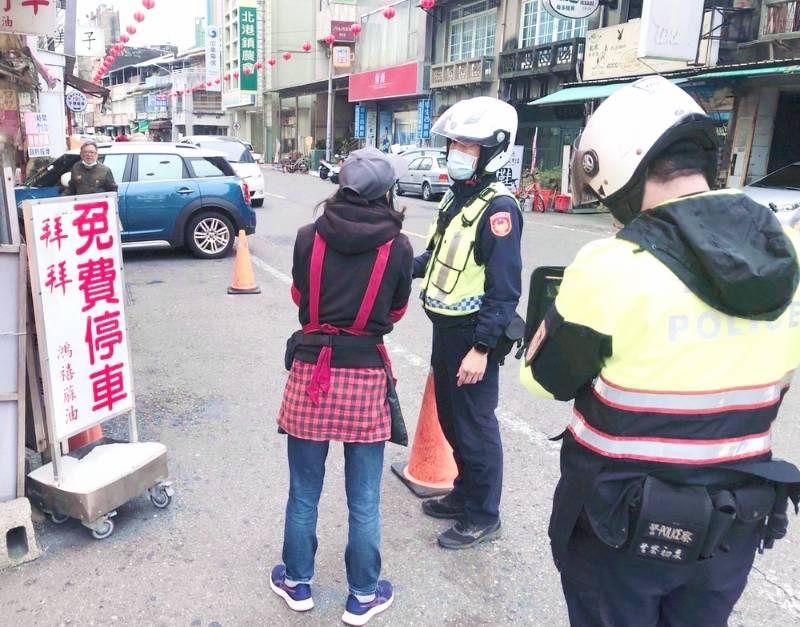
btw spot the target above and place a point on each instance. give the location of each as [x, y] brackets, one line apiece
[585, 92]
[749, 72]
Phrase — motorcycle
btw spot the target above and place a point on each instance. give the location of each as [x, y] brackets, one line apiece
[325, 169]
[333, 175]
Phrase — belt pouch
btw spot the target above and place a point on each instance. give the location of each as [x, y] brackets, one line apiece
[291, 347]
[672, 522]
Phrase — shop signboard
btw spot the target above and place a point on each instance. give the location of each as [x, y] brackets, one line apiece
[571, 9]
[37, 133]
[361, 122]
[511, 173]
[391, 82]
[342, 57]
[30, 17]
[90, 42]
[213, 58]
[79, 295]
[248, 45]
[670, 30]
[144, 126]
[424, 119]
[341, 31]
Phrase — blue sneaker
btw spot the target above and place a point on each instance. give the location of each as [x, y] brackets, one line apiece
[357, 613]
[297, 598]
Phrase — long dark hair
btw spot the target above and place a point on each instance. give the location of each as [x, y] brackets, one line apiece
[347, 197]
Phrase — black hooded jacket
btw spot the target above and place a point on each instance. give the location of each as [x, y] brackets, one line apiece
[353, 232]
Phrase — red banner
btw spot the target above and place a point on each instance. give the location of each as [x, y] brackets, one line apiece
[391, 82]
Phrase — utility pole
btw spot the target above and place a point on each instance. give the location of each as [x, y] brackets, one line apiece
[329, 129]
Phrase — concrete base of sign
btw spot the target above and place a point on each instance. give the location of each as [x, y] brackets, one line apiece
[17, 538]
[98, 482]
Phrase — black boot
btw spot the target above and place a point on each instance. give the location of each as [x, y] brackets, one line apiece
[464, 535]
[444, 507]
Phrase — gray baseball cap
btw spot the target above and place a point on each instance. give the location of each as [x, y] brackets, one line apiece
[371, 173]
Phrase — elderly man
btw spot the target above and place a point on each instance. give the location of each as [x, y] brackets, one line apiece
[88, 176]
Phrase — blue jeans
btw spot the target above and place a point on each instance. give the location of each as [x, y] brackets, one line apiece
[363, 466]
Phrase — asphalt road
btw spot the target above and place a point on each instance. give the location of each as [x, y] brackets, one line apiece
[209, 378]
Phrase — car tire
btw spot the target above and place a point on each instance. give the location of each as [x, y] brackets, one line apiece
[209, 235]
[426, 191]
[258, 202]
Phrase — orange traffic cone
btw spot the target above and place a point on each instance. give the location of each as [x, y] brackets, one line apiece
[244, 280]
[92, 434]
[431, 469]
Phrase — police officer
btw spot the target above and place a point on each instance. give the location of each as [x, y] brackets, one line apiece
[88, 176]
[677, 339]
[471, 286]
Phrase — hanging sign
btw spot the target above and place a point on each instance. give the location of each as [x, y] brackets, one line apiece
[79, 297]
[213, 59]
[31, 17]
[90, 41]
[424, 119]
[76, 101]
[248, 45]
[571, 9]
[361, 122]
[671, 30]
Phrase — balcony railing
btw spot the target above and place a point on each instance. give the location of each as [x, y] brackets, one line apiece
[562, 56]
[779, 18]
[467, 72]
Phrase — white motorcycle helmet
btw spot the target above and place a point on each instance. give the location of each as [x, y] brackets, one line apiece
[626, 133]
[489, 122]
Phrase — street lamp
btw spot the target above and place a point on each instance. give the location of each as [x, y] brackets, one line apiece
[329, 39]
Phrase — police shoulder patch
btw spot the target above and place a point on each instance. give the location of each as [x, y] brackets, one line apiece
[501, 224]
[536, 343]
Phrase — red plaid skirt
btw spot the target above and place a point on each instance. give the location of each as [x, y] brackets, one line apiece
[353, 410]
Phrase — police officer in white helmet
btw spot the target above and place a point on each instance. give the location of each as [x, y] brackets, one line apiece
[471, 285]
[676, 339]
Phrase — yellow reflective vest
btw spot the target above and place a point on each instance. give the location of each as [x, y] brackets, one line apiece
[454, 283]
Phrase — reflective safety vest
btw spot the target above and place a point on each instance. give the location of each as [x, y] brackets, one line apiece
[454, 283]
[685, 384]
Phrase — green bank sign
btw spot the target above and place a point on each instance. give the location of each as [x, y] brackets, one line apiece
[248, 47]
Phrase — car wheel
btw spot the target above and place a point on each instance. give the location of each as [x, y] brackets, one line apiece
[426, 191]
[258, 202]
[398, 191]
[210, 235]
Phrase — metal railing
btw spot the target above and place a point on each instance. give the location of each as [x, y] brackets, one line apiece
[466, 72]
[561, 56]
[780, 17]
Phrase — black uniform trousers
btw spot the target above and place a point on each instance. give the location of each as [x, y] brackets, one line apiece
[607, 587]
[468, 421]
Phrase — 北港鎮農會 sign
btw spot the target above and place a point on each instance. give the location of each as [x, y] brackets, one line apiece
[29, 17]
[76, 274]
[248, 45]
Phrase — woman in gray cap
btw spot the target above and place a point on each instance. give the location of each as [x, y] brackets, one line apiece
[351, 283]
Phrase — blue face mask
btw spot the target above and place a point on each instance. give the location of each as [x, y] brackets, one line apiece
[461, 166]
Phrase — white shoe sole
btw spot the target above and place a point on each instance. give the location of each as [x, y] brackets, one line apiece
[363, 619]
[297, 606]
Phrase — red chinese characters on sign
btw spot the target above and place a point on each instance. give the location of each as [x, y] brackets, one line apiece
[35, 4]
[96, 279]
[108, 387]
[54, 234]
[57, 278]
[103, 333]
[92, 223]
[391, 82]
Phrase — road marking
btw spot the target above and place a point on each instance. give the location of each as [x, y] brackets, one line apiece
[507, 418]
[275, 196]
[414, 234]
[571, 228]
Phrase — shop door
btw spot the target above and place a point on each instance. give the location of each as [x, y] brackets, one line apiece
[785, 147]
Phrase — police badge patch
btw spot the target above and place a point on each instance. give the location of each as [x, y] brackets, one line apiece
[501, 223]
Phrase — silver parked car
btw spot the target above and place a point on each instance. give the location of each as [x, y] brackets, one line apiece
[780, 191]
[427, 176]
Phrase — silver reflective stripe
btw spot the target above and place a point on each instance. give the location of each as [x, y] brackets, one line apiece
[691, 402]
[669, 450]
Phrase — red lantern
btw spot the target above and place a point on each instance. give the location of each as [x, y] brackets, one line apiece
[217, 82]
[139, 16]
[355, 29]
[307, 46]
[389, 13]
[148, 4]
[236, 76]
[259, 65]
[227, 77]
[131, 29]
[287, 56]
[272, 61]
[247, 70]
[124, 38]
[427, 4]
[330, 39]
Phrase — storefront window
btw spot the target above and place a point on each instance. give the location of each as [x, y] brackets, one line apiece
[472, 31]
[539, 27]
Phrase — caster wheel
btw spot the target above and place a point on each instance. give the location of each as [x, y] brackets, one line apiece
[104, 531]
[58, 519]
[160, 498]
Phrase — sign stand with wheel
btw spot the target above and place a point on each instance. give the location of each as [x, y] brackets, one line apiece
[78, 289]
